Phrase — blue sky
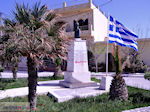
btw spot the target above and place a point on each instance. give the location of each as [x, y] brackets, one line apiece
[134, 14]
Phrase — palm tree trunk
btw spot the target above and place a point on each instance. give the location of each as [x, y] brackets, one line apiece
[32, 82]
[118, 88]
[58, 72]
[14, 71]
[117, 61]
[96, 63]
[14, 74]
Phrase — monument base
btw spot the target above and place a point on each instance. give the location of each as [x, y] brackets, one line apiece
[77, 84]
[77, 77]
[77, 74]
[77, 80]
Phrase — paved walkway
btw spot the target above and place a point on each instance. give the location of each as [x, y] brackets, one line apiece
[144, 109]
[49, 85]
[54, 89]
[24, 74]
[134, 80]
[138, 82]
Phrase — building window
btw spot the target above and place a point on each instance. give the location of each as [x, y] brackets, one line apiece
[83, 24]
[86, 22]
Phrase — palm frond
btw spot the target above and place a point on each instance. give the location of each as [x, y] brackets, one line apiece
[22, 14]
[8, 22]
[38, 11]
[50, 16]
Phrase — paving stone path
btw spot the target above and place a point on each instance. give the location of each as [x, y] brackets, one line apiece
[24, 74]
[144, 109]
[53, 88]
[43, 88]
[138, 82]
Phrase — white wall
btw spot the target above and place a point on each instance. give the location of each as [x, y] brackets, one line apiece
[100, 25]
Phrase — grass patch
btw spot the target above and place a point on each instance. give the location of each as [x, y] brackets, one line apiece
[147, 75]
[11, 83]
[95, 80]
[92, 104]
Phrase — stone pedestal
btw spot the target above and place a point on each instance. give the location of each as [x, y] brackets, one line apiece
[105, 83]
[77, 74]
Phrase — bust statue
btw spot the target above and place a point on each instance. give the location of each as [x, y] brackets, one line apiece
[76, 29]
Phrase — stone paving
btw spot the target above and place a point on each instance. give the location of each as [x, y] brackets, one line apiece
[54, 89]
[134, 80]
[138, 82]
[144, 109]
[24, 74]
[46, 86]
[67, 94]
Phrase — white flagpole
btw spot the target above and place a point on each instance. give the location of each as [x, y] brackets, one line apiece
[107, 39]
[107, 57]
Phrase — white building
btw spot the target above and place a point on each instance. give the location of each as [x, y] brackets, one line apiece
[92, 21]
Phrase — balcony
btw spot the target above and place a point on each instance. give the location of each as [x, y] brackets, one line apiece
[85, 31]
[82, 28]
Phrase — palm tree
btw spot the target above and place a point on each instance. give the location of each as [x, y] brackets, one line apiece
[1, 69]
[36, 35]
[118, 88]
[10, 55]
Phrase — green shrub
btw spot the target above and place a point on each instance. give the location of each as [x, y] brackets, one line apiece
[139, 97]
[133, 63]
[1, 69]
[147, 75]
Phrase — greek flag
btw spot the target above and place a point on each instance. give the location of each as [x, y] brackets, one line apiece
[120, 35]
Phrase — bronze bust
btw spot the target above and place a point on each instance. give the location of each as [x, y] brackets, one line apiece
[76, 29]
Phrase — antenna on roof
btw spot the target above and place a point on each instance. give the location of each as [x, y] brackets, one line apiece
[90, 1]
[64, 4]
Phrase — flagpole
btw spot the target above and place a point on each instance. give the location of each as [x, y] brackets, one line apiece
[107, 57]
[107, 39]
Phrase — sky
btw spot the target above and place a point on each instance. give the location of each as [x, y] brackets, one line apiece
[134, 14]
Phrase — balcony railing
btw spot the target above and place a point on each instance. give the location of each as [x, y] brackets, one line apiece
[82, 28]
[85, 27]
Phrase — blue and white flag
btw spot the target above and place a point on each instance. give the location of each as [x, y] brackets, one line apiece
[120, 35]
